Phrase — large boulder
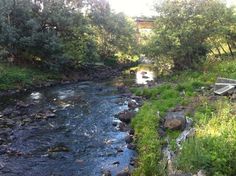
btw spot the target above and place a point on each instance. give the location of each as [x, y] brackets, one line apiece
[175, 120]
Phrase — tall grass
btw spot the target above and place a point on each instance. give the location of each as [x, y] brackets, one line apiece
[202, 151]
[213, 149]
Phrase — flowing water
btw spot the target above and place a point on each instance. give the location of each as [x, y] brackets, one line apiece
[66, 130]
[77, 137]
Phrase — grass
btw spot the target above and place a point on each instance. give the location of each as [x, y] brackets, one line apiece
[146, 123]
[213, 148]
[13, 77]
[181, 91]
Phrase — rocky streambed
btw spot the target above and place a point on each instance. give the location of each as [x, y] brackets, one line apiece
[74, 129]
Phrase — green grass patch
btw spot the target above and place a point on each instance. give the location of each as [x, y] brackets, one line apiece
[16, 77]
[146, 123]
[213, 149]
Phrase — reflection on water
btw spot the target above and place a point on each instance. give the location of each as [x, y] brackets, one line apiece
[144, 74]
[65, 94]
[36, 95]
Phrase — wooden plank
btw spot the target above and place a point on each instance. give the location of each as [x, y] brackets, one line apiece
[223, 90]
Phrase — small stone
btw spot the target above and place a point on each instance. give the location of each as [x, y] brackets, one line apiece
[59, 148]
[114, 123]
[131, 131]
[233, 97]
[79, 161]
[132, 162]
[201, 173]
[132, 104]
[124, 173]
[123, 127]
[128, 139]
[161, 132]
[116, 163]
[49, 114]
[119, 150]
[131, 146]
[126, 116]
[106, 173]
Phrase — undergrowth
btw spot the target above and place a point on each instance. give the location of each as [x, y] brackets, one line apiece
[180, 90]
[16, 77]
[213, 148]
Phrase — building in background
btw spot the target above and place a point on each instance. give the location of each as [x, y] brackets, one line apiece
[145, 27]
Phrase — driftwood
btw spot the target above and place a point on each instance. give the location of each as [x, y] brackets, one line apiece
[224, 85]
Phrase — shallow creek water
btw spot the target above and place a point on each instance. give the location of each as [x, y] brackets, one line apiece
[79, 140]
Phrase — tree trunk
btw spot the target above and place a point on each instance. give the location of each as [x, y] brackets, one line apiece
[218, 50]
[223, 49]
[230, 49]
[212, 52]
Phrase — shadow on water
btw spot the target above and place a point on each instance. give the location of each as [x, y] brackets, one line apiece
[77, 139]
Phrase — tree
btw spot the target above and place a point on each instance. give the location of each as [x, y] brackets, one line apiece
[184, 29]
[114, 32]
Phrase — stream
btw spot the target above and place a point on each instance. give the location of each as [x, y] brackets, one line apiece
[77, 138]
[65, 130]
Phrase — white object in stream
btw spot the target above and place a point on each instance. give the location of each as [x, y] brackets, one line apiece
[186, 133]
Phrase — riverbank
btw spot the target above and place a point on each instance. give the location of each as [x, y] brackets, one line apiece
[190, 92]
[14, 79]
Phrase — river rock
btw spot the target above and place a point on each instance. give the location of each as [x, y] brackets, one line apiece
[233, 97]
[126, 116]
[119, 150]
[201, 173]
[123, 127]
[161, 132]
[116, 163]
[175, 120]
[129, 139]
[49, 114]
[131, 131]
[132, 161]
[131, 146]
[106, 173]
[132, 104]
[124, 173]
[59, 148]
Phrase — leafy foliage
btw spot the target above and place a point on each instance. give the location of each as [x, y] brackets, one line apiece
[186, 31]
[59, 35]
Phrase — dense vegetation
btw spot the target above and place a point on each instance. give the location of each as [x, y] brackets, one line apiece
[63, 35]
[188, 31]
[197, 39]
[214, 121]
